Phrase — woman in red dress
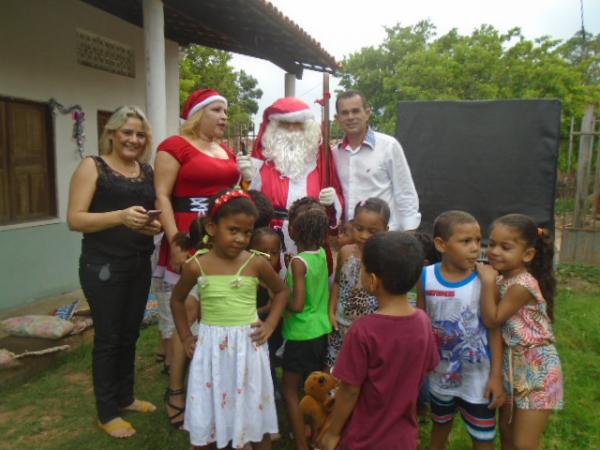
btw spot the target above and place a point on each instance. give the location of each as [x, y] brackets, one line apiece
[189, 168]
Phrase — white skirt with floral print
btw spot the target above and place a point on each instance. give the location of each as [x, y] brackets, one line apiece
[230, 390]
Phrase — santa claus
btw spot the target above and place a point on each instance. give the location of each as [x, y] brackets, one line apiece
[290, 161]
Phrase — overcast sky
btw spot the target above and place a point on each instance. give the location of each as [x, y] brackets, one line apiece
[343, 27]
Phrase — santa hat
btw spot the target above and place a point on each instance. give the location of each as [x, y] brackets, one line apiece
[199, 99]
[287, 109]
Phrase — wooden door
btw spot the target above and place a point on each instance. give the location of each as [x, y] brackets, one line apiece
[27, 169]
[4, 193]
[101, 120]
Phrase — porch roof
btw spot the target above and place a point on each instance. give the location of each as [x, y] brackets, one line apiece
[249, 27]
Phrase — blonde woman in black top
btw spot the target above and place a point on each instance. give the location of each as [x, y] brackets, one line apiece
[111, 199]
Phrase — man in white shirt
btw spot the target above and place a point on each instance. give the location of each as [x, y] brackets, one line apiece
[372, 164]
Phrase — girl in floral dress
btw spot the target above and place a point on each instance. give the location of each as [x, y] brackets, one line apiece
[348, 299]
[230, 391]
[522, 253]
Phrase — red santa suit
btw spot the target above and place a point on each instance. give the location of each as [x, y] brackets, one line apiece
[280, 189]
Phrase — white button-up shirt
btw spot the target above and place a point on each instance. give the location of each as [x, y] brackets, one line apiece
[378, 168]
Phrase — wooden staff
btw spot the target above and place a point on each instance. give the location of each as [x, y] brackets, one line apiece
[325, 127]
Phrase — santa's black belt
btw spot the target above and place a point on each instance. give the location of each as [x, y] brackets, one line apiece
[280, 214]
[190, 204]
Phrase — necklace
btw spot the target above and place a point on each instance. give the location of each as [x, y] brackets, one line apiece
[209, 147]
[208, 142]
[130, 170]
[130, 173]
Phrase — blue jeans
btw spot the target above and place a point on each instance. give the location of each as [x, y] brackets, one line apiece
[117, 291]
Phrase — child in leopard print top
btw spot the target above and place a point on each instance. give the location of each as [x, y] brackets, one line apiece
[348, 299]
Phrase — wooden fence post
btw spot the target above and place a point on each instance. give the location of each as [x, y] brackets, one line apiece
[584, 166]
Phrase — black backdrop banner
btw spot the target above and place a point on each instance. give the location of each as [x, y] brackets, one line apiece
[488, 158]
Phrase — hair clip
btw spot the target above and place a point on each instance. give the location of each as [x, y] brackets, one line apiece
[205, 239]
[541, 232]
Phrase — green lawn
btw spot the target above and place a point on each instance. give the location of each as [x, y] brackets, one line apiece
[55, 409]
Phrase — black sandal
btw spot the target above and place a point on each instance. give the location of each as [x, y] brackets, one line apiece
[178, 409]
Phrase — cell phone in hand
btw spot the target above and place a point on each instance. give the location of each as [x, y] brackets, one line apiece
[152, 214]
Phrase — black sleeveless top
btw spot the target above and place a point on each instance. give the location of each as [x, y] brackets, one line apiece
[115, 191]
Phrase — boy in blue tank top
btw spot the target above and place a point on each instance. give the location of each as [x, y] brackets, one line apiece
[469, 375]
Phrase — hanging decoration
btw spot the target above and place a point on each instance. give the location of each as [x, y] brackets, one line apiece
[78, 117]
[321, 101]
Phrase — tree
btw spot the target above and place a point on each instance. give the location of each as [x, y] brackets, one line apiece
[207, 67]
[413, 64]
[584, 50]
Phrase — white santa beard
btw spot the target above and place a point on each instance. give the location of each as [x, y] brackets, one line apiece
[291, 151]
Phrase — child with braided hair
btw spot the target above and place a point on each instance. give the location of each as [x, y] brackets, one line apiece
[306, 322]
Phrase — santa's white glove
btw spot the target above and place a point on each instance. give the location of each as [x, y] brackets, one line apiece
[327, 196]
[246, 167]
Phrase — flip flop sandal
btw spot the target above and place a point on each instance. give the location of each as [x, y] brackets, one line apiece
[116, 424]
[141, 406]
[178, 409]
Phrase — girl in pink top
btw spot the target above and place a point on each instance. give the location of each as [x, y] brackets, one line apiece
[522, 254]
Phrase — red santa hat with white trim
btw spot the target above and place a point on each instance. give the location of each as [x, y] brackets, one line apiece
[287, 109]
[198, 100]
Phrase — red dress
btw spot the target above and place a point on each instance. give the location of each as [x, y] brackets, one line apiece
[200, 177]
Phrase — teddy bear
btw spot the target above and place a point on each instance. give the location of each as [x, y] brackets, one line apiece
[319, 396]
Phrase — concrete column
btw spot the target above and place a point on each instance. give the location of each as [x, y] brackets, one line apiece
[290, 85]
[154, 50]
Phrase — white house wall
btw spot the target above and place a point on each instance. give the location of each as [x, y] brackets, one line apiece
[38, 61]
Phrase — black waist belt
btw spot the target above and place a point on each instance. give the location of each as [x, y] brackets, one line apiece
[280, 214]
[190, 204]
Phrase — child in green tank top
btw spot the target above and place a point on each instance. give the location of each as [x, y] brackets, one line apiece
[306, 319]
[230, 396]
